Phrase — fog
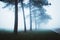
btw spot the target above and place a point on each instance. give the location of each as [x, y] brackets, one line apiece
[7, 17]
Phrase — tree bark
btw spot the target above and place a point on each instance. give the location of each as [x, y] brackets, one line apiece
[23, 17]
[16, 17]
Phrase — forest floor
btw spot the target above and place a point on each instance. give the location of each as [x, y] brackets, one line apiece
[34, 35]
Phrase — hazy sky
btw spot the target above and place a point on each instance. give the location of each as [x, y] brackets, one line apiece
[54, 9]
[7, 17]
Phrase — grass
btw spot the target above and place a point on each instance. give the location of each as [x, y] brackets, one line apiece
[34, 35]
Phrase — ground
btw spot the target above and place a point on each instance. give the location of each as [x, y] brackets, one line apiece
[35, 35]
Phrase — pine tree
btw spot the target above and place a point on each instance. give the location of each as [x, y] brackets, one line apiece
[23, 16]
[30, 15]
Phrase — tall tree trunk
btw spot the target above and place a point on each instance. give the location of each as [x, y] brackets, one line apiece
[23, 17]
[16, 17]
[30, 16]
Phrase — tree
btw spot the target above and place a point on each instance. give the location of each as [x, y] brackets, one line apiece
[16, 17]
[39, 14]
[23, 15]
[16, 12]
[30, 15]
[15, 2]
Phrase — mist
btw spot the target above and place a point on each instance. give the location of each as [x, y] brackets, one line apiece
[7, 17]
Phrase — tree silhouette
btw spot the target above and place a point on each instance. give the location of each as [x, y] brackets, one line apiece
[32, 3]
[16, 17]
[23, 15]
[30, 15]
[36, 7]
[39, 14]
[15, 2]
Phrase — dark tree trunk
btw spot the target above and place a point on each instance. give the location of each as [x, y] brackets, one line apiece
[30, 16]
[23, 17]
[16, 17]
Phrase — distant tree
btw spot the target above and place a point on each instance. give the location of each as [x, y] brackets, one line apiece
[38, 11]
[39, 17]
[30, 15]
